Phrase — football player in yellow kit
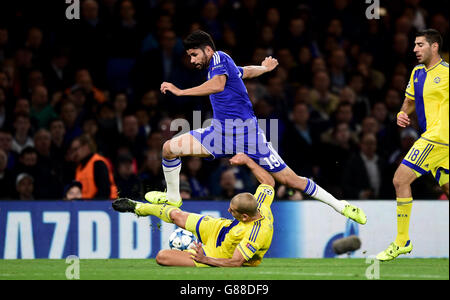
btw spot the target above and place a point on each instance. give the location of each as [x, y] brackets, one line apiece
[222, 242]
[427, 94]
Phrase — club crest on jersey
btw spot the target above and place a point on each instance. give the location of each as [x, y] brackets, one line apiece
[437, 79]
[268, 192]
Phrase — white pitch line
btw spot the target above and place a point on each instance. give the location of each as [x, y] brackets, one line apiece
[353, 275]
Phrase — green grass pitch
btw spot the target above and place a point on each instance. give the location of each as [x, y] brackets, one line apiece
[270, 269]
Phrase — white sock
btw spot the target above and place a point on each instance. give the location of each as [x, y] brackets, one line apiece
[318, 193]
[171, 168]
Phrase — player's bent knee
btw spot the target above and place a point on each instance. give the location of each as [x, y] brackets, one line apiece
[163, 258]
[166, 150]
[399, 181]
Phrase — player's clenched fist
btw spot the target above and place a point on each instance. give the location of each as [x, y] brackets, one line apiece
[270, 63]
[402, 119]
[167, 86]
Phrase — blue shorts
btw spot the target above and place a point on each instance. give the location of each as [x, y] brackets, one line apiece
[249, 139]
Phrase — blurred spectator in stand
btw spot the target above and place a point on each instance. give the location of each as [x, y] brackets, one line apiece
[57, 132]
[192, 170]
[334, 155]
[94, 171]
[143, 121]
[128, 183]
[393, 103]
[300, 136]
[126, 31]
[120, 104]
[107, 129]
[227, 185]
[342, 114]
[3, 114]
[73, 191]
[338, 73]
[48, 182]
[6, 178]
[155, 140]
[25, 187]
[365, 172]
[27, 162]
[5, 44]
[285, 193]
[94, 95]
[151, 173]
[296, 36]
[89, 40]
[22, 132]
[360, 105]
[57, 73]
[34, 42]
[185, 190]
[35, 78]
[150, 101]
[158, 65]
[302, 72]
[6, 139]
[439, 21]
[209, 19]
[41, 109]
[131, 137]
[69, 116]
[322, 100]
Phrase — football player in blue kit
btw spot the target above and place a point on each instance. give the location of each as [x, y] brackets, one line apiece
[234, 127]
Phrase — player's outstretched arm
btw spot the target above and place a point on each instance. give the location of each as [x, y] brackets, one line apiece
[407, 108]
[267, 65]
[212, 86]
[261, 175]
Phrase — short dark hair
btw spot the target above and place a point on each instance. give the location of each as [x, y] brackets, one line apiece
[198, 40]
[432, 36]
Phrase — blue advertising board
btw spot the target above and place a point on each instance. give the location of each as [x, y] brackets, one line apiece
[92, 229]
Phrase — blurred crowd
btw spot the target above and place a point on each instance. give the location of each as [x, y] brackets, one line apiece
[335, 94]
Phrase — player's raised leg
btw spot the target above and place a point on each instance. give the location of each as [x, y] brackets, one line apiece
[167, 213]
[173, 150]
[288, 177]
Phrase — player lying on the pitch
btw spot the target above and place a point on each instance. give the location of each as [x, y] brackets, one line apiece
[223, 242]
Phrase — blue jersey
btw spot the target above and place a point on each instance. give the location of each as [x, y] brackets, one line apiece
[234, 127]
[233, 102]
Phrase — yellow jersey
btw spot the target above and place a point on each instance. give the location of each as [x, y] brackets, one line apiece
[429, 88]
[252, 239]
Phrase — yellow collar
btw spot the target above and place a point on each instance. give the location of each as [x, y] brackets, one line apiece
[426, 70]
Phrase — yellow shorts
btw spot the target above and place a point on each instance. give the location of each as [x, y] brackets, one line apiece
[206, 229]
[426, 156]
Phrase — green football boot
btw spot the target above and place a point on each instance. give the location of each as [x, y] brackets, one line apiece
[354, 213]
[157, 197]
[393, 251]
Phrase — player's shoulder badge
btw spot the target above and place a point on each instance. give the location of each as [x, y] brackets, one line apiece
[437, 79]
